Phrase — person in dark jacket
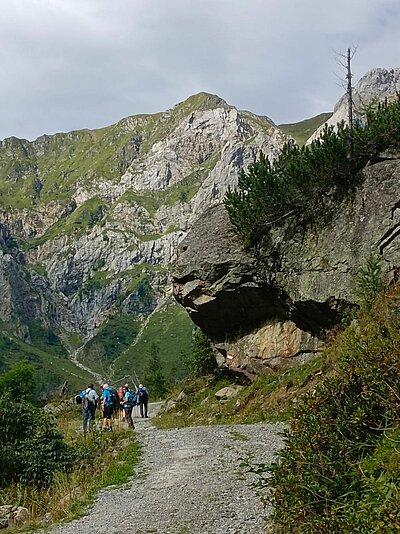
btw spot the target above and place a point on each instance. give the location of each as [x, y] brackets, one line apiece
[143, 399]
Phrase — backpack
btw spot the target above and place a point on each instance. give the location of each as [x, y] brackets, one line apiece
[114, 398]
[86, 402]
[144, 393]
[78, 399]
[129, 401]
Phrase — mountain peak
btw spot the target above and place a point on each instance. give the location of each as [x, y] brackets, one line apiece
[201, 102]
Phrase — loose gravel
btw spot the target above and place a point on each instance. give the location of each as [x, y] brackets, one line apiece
[189, 481]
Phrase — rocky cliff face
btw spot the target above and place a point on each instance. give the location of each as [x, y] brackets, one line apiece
[277, 319]
[94, 218]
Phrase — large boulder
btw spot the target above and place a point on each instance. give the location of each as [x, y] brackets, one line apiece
[278, 319]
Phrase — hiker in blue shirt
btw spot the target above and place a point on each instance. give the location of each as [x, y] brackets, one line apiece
[127, 403]
[89, 400]
[143, 399]
[107, 405]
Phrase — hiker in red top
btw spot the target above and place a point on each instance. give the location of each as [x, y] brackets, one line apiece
[120, 397]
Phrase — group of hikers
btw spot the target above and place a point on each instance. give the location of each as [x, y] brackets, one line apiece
[113, 403]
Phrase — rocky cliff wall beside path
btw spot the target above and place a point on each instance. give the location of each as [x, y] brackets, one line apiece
[310, 275]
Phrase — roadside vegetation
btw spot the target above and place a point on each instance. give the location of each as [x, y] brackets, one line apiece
[340, 468]
[48, 466]
[270, 397]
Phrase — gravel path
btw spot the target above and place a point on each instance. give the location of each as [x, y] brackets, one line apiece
[189, 481]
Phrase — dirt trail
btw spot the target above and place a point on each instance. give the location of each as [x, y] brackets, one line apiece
[189, 481]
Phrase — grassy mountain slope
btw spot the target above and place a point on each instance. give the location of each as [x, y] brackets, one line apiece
[301, 131]
[53, 367]
[170, 329]
[48, 168]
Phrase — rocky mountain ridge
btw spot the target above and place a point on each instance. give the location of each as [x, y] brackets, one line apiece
[375, 86]
[93, 219]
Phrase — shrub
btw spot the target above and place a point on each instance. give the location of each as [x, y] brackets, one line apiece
[339, 470]
[31, 448]
[303, 181]
[19, 381]
[370, 282]
[201, 360]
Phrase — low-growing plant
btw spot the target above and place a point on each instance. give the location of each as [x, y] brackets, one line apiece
[301, 183]
[370, 281]
[338, 471]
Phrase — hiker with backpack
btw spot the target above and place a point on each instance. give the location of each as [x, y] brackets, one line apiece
[127, 404]
[89, 401]
[143, 399]
[108, 400]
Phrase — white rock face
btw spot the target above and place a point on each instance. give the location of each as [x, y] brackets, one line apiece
[376, 85]
[178, 164]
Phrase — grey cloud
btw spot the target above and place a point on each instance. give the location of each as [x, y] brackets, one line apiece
[70, 65]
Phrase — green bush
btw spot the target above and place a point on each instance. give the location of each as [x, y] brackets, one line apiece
[302, 182]
[31, 448]
[18, 382]
[339, 469]
[201, 360]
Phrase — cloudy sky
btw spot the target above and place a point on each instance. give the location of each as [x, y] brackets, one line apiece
[72, 64]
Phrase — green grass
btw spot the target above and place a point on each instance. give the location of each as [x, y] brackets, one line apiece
[270, 397]
[38, 268]
[46, 339]
[182, 192]
[301, 131]
[171, 330]
[99, 280]
[261, 123]
[48, 358]
[76, 224]
[111, 340]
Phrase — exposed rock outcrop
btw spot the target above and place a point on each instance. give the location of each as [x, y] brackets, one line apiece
[310, 275]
